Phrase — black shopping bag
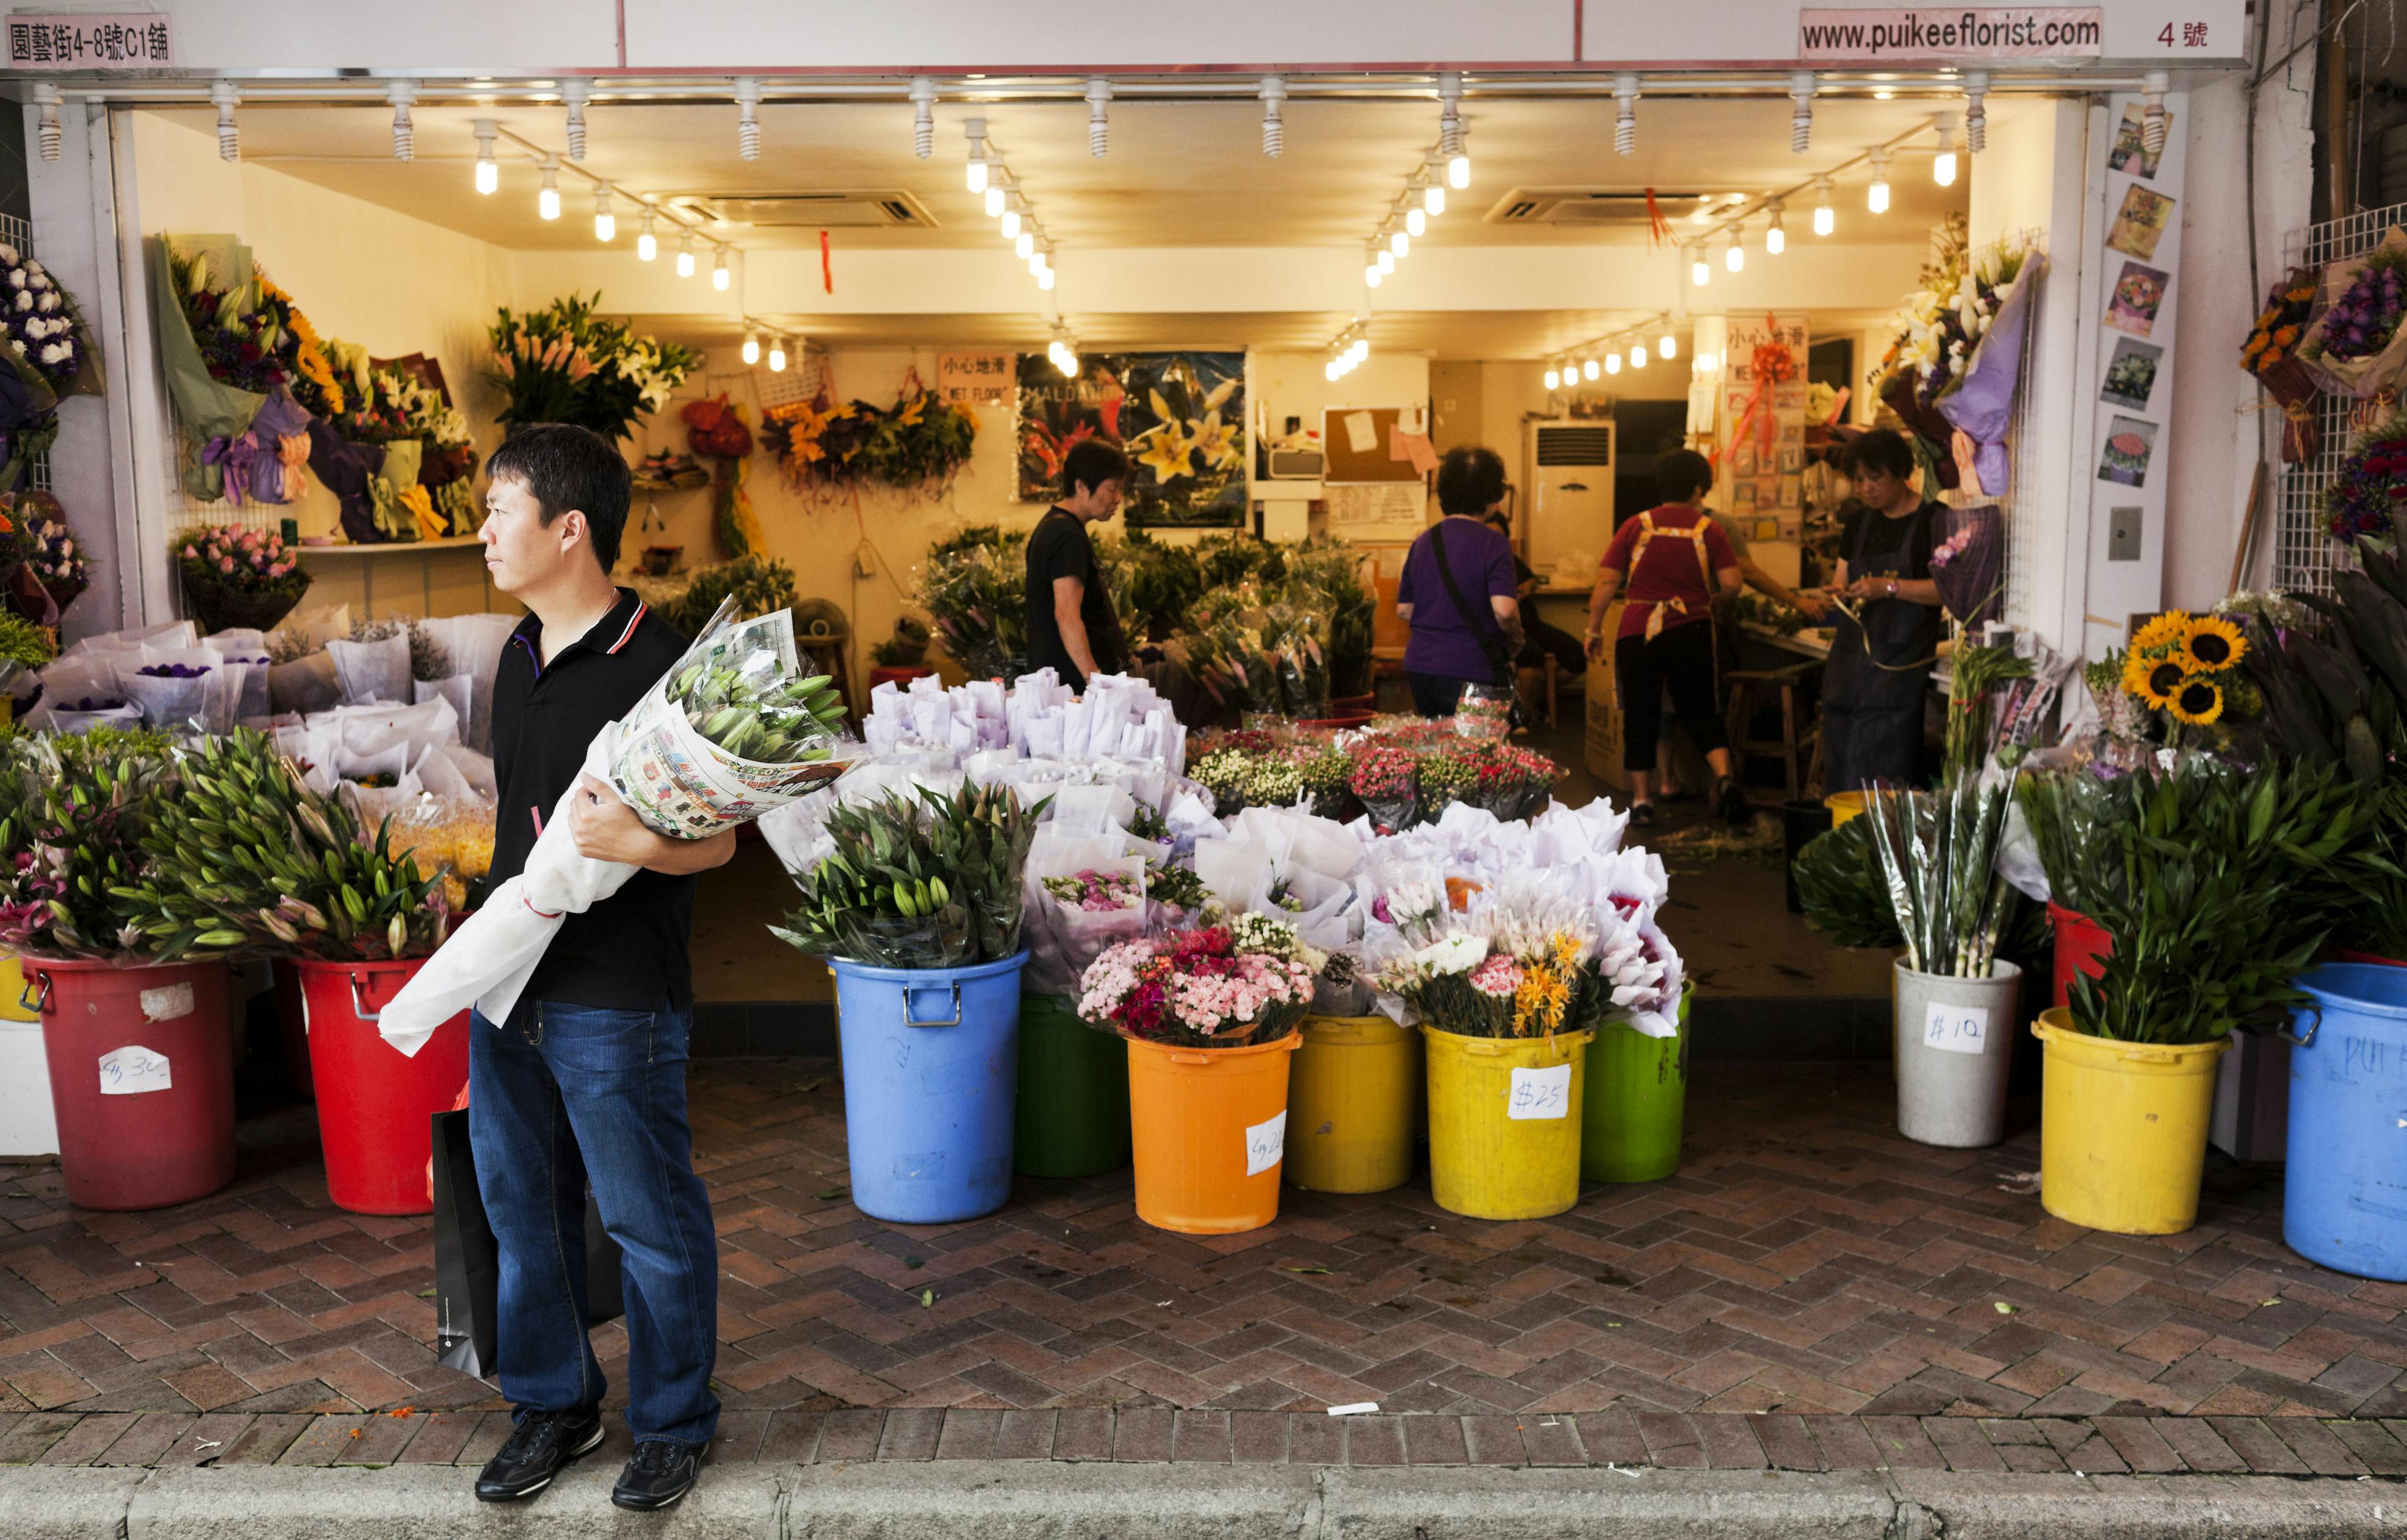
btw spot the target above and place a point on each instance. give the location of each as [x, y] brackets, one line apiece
[467, 1260]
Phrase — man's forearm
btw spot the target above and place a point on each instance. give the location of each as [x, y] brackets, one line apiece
[685, 857]
[1074, 641]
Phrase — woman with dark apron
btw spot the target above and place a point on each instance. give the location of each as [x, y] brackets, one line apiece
[1879, 671]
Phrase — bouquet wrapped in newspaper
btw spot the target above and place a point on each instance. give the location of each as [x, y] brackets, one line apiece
[733, 730]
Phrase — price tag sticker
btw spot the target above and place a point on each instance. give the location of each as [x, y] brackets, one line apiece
[1265, 1144]
[131, 1070]
[1956, 1028]
[1540, 1094]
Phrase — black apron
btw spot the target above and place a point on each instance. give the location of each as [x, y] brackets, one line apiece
[1879, 673]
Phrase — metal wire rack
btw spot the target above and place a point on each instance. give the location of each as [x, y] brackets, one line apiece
[2305, 554]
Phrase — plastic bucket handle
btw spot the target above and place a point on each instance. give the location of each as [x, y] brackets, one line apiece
[909, 1020]
[360, 1004]
[2306, 1040]
[39, 1007]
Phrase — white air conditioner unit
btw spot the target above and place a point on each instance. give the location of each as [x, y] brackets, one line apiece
[1570, 521]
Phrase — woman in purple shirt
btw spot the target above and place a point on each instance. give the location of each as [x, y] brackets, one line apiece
[1461, 631]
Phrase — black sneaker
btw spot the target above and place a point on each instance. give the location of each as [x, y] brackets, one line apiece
[1642, 814]
[1730, 800]
[540, 1448]
[660, 1474]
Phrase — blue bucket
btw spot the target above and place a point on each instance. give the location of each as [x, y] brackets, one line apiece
[2345, 1197]
[931, 1068]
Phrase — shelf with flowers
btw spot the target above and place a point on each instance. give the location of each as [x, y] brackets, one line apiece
[568, 362]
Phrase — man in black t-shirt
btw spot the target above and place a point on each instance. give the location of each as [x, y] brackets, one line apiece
[584, 1084]
[1071, 627]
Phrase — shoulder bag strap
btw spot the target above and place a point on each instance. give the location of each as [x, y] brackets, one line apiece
[1491, 640]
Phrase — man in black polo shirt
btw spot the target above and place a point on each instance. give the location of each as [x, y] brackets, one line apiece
[585, 1082]
[1071, 627]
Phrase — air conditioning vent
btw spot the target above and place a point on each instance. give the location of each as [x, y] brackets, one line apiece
[883, 210]
[1594, 208]
[1576, 447]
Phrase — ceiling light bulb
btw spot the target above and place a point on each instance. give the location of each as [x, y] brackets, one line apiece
[1824, 220]
[1612, 364]
[401, 93]
[1591, 369]
[777, 355]
[1273, 94]
[223, 94]
[719, 277]
[575, 94]
[1045, 280]
[1700, 272]
[1362, 348]
[1943, 166]
[747, 117]
[1371, 275]
[1876, 196]
[751, 348]
[1069, 361]
[923, 116]
[1554, 377]
[996, 200]
[488, 172]
[1977, 111]
[1800, 117]
[1035, 258]
[685, 257]
[1458, 171]
[1328, 371]
[1624, 117]
[974, 130]
[1775, 240]
[1416, 222]
[46, 97]
[1011, 224]
[1734, 255]
[1386, 261]
[546, 201]
[605, 223]
[648, 246]
[1400, 242]
[1023, 246]
[1450, 130]
[1638, 355]
[1099, 116]
[1433, 198]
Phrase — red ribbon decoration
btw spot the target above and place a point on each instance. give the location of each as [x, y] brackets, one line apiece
[1771, 364]
[827, 271]
[1658, 229]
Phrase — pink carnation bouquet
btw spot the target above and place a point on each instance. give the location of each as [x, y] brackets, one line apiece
[236, 576]
[1223, 986]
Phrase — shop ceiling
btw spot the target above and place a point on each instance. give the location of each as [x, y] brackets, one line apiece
[1178, 172]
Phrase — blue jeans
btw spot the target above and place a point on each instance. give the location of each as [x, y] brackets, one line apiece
[562, 1096]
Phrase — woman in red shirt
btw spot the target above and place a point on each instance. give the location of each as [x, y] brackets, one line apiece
[1674, 559]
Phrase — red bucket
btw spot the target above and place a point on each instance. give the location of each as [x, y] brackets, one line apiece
[2081, 948]
[141, 1063]
[374, 1102]
[292, 1027]
[2350, 954]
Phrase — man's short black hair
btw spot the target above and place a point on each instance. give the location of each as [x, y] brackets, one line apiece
[1470, 479]
[1681, 474]
[1092, 462]
[1883, 449]
[563, 466]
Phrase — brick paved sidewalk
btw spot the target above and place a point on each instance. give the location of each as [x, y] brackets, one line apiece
[1812, 1292]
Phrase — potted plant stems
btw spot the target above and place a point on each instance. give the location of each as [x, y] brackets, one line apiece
[2207, 876]
[245, 856]
[137, 1028]
[918, 909]
[1956, 999]
[1210, 1016]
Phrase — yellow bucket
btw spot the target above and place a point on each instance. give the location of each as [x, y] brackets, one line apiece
[1843, 805]
[2122, 1139]
[12, 985]
[1505, 1122]
[1353, 1101]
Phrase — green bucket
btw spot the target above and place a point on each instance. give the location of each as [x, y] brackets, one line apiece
[1632, 1103]
[1073, 1113]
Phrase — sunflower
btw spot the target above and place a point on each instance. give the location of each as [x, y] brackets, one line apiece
[2153, 679]
[2212, 644]
[2197, 700]
[2165, 630]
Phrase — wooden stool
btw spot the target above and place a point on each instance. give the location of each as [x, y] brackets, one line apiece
[1750, 690]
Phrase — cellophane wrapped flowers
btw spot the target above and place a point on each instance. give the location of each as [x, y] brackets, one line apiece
[2361, 503]
[1222, 987]
[1383, 782]
[2361, 323]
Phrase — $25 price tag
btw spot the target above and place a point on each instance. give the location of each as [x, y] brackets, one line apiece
[1540, 1094]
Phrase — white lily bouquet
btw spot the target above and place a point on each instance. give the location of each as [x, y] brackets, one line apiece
[733, 730]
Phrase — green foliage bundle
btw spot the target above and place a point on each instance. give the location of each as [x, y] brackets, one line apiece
[757, 584]
[74, 811]
[1840, 884]
[974, 587]
[1152, 583]
[928, 881]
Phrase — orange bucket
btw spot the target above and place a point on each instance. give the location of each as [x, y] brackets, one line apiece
[1209, 1130]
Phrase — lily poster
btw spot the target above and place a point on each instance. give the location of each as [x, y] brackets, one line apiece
[1181, 416]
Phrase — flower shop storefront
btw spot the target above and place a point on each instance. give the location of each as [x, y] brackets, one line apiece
[1230, 941]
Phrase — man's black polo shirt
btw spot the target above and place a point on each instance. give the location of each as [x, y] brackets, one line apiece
[627, 952]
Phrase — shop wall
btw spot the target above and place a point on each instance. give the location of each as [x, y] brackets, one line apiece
[363, 273]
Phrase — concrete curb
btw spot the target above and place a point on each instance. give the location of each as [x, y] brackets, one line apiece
[975, 1500]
